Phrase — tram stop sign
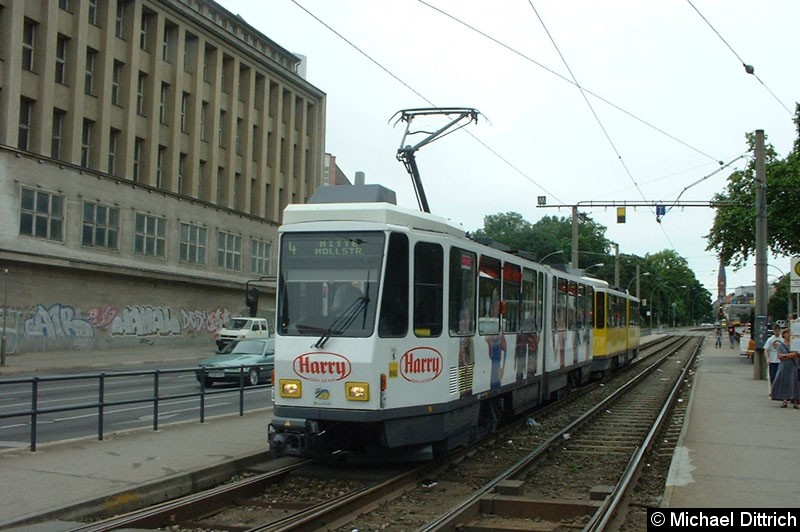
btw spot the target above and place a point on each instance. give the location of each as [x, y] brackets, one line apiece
[794, 276]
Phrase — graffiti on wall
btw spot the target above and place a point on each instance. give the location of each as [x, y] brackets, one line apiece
[205, 320]
[64, 322]
[145, 321]
[56, 322]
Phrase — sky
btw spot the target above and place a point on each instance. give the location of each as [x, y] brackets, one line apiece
[581, 101]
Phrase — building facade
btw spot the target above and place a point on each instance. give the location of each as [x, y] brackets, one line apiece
[147, 150]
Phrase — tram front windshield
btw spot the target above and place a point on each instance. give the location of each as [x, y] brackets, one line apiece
[328, 283]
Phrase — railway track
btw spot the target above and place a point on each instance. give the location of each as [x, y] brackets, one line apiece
[555, 446]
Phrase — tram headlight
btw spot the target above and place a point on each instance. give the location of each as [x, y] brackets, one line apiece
[356, 391]
[290, 388]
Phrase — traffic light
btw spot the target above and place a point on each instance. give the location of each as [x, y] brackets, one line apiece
[251, 300]
[620, 215]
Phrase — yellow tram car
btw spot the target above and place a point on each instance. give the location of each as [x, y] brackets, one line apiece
[616, 329]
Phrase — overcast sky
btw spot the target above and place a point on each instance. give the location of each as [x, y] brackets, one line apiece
[668, 98]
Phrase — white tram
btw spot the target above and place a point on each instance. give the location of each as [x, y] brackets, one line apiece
[396, 331]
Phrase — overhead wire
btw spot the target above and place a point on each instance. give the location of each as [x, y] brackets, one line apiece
[750, 69]
[420, 95]
[597, 118]
[564, 78]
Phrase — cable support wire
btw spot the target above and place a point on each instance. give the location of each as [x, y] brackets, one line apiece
[564, 78]
[718, 170]
[750, 69]
[420, 95]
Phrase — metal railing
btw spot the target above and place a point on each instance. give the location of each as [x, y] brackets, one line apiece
[103, 402]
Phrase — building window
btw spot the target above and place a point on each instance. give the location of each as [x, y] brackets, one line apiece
[160, 166]
[181, 171]
[86, 143]
[221, 129]
[203, 121]
[61, 59]
[116, 74]
[25, 123]
[150, 235]
[138, 151]
[229, 251]
[100, 226]
[58, 132]
[169, 46]
[92, 15]
[28, 44]
[162, 106]
[140, 85]
[192, 247]
[260, 256]
[119, 23]
[41, 214]
[91, 58]
[239, 125]
[63, 4]
[184, 105]
[143, 32]
[113, 141]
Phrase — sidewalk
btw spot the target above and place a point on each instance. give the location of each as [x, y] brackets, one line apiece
[738, 449]
[121, 359]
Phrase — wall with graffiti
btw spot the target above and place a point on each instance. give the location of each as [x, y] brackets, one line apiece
[61, 326]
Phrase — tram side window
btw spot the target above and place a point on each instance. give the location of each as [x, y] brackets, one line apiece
[463, 265]
[600, 310]
[634, 314]
[428, 289]
[512, 277]
[540, 290]
[580, 307]
[589, 306]
[489, 296]
[528, 312]
[572, 305]
[561, 304]
[394, 307]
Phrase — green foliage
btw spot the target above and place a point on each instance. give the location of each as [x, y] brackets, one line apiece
[778, 305]
[551, 236]
[732, 235]
[665, 277]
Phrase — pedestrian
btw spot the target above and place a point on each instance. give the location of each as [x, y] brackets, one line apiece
[718, 336]
[732, 334]
[786, 386]
[771, 352]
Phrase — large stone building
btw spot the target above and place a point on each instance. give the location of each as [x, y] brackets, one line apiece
[147, 150]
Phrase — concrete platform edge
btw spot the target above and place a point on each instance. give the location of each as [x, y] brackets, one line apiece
[145, 495]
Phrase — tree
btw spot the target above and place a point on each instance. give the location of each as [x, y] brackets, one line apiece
[549, 235]
[672, 282]
[732, 235]
[778, 305]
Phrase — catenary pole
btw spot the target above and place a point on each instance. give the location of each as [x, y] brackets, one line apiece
[760, 334]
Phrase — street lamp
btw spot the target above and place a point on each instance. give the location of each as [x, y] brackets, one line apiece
[541, 261]
[643, 274]
[598, 265]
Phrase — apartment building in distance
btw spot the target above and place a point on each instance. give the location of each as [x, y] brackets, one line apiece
[147, 150]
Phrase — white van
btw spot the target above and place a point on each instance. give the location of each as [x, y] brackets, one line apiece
[240, 328]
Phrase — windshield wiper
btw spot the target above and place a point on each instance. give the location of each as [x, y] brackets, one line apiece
[344, 320]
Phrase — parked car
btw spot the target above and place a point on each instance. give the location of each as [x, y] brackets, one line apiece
[241, 328]
[256, 358]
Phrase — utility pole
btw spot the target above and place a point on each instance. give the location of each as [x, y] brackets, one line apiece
[760, 333]
[575, 237]
[616, 265]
